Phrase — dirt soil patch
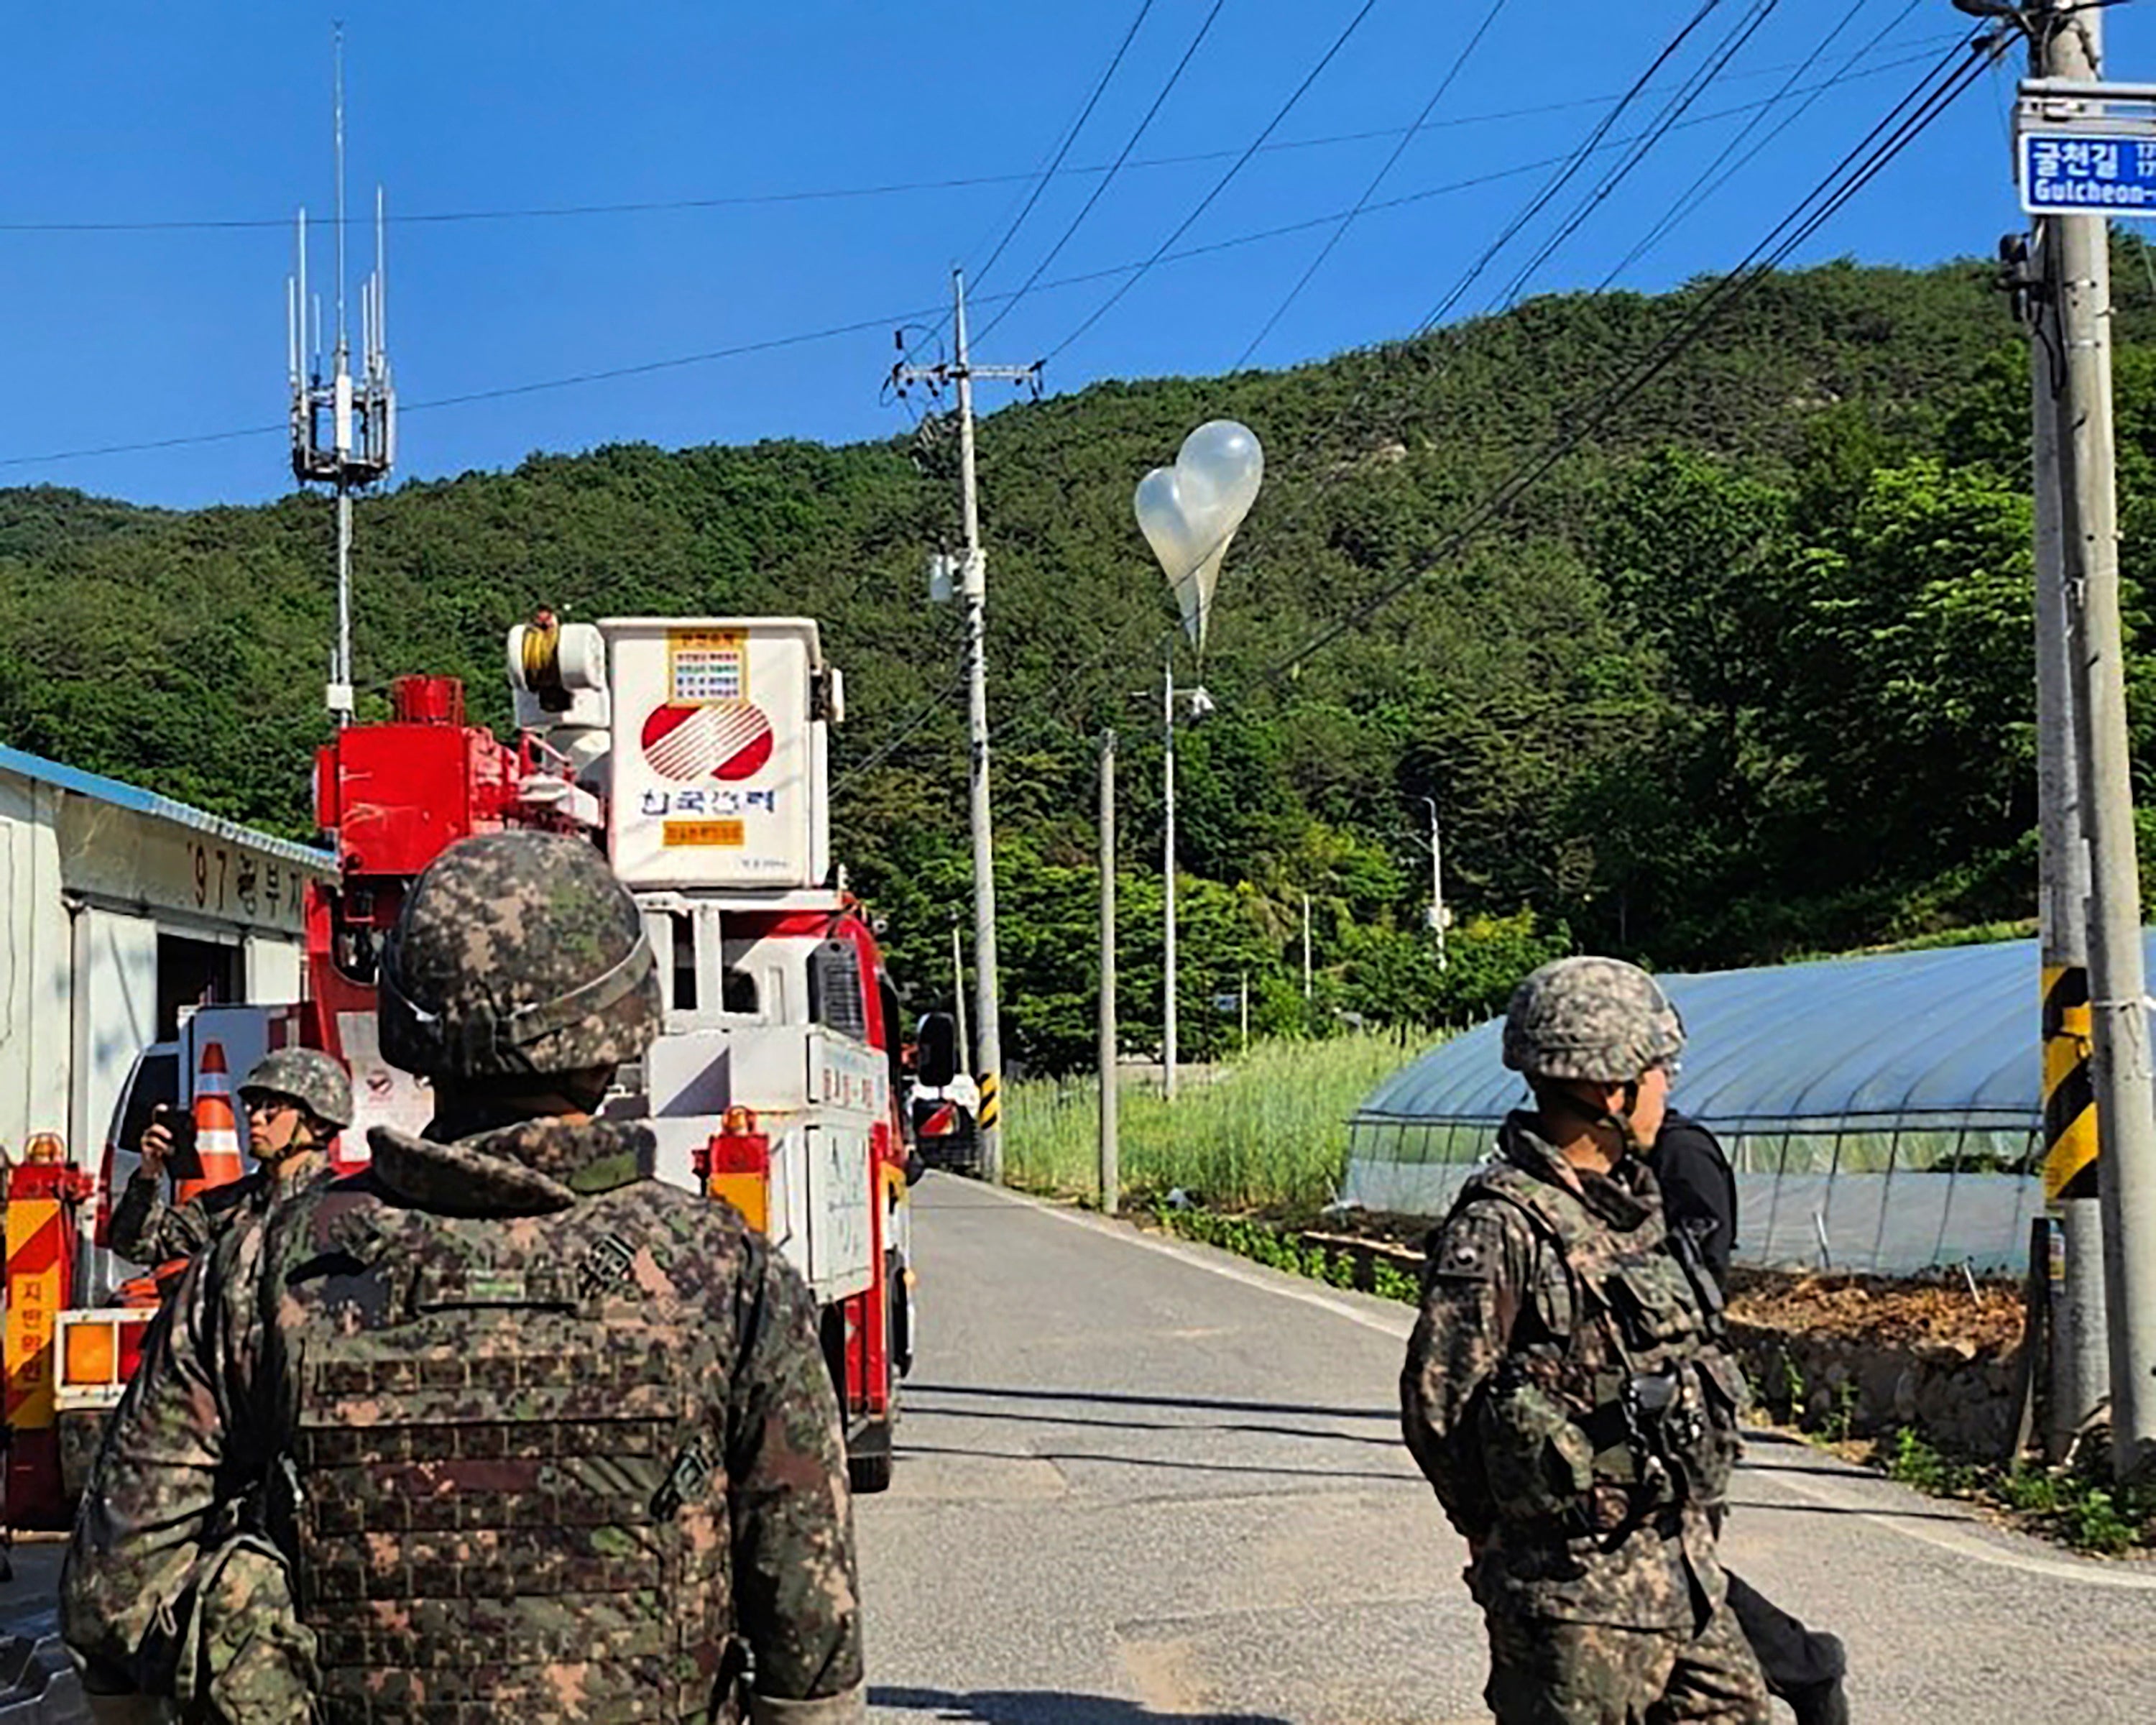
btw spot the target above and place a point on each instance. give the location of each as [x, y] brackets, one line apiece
[1907, 1314]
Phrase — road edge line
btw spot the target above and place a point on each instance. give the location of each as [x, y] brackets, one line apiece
[1211, 1258]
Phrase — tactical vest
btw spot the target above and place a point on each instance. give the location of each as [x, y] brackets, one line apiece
[509, 1497]
[1616, 1401]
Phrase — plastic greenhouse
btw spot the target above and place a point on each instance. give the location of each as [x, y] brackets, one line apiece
[1883, 1113]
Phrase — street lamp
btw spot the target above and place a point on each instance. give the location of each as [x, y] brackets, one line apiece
[1188, 513]
[1197, 703]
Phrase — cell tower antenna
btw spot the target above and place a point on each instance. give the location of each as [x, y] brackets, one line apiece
[336, 104]
[344, 429]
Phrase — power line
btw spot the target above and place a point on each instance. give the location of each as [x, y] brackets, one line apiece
[1069, 138]
[1567, 165]
[961, 183]
[1058, 701]
[1221, 185]
[934, 704]
[1077, 221]
[1915, 112]
[1672, 111]
[503, 392]
[1579, 157]
[1378, 179]
[889, 320]
[1700, 190]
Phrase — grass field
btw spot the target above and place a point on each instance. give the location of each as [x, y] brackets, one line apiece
[1267, 1130]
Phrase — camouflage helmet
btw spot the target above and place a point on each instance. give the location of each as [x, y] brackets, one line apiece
[318, 1082]
[517, 953]
[1596, 1018]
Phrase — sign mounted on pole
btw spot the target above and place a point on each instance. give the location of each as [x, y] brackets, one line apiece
[2087, 171]
[2085, 147]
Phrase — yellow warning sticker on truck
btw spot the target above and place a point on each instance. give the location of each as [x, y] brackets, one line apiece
[704, 831]
[706, 665]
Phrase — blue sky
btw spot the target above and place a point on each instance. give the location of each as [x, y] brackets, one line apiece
[136, 113]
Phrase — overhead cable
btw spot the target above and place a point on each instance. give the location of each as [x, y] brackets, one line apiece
[1856, 170]
[1370, 191]
[891, 320]
[1222, 184]
[749, 200]
[1174, 78]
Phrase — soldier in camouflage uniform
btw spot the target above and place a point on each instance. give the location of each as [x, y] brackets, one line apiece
[503, 1428]
[1562, 1390]
[296, 1100]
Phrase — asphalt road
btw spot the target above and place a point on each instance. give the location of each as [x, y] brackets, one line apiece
[1138, 1479]
[1142, 1480]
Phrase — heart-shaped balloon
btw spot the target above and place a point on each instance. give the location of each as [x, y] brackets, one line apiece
[1188, 512]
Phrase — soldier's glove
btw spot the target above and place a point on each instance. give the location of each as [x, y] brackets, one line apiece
[246, 1658]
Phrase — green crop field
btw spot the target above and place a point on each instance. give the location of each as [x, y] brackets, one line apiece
[1266, 1131]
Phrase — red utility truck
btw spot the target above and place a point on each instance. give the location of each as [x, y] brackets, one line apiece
[695, 753]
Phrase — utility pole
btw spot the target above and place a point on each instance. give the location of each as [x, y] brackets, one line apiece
[1167, 1053]
[958, 997]
[988, 1016]
[1436, 879]
[1305, 946]
[2074, 251]
[1110, 1172]
[2080, 1368]
[1201, 704]
[2079, 1362]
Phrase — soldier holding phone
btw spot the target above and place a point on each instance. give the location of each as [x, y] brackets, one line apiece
[297, 1100]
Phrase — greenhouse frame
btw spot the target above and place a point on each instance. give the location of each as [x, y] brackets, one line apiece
[1883, 1113]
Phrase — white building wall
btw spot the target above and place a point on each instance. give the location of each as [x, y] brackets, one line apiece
[275, 966]
[116, 969]
[36, 968]
[86, 885]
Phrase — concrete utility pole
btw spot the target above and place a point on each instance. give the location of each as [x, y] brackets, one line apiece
[1436, 879]
[1305, 946]
[2080, 1368]
[1167, 1050]
[2069, 41]
[1201, 704]
[1110, 1172]
[986, 1015]
[958, 997]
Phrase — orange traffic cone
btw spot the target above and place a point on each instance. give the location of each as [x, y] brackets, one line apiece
[217, 1130]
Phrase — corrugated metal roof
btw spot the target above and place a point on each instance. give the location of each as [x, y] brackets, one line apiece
[1946, 1038]
[133, 797]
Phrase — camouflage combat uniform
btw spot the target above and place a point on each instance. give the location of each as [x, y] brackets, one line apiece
[502, 1428]
[147, 1228]
[1563, 1397]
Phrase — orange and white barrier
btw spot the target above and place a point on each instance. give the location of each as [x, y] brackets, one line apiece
[42, 1194]
[217, 1128]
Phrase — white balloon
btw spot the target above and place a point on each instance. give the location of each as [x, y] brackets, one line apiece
[1188, 513]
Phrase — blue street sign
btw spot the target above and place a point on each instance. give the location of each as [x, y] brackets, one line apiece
[2088, 172]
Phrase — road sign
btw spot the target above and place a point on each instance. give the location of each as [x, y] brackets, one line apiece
[2088, 172]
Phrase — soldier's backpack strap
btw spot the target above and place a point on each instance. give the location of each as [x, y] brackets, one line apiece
[1520, 1193]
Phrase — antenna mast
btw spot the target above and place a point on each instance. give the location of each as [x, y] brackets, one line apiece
[344, 430]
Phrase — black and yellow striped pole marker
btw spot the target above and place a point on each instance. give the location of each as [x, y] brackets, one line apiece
[2070, 1140]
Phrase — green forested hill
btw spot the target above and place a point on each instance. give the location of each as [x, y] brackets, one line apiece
[1748, 673]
